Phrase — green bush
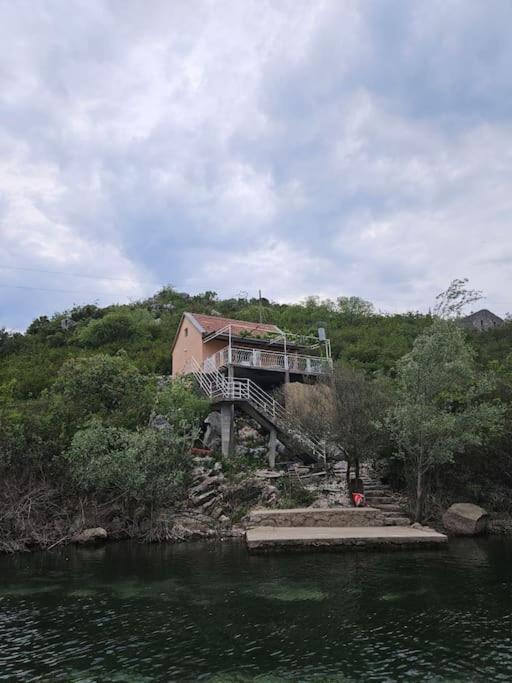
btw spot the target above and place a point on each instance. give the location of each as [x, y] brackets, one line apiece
[180, 405]
[107, 387]
[148, 466]
[117, 326]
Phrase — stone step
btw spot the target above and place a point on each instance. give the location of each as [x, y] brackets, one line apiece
[378, 490]
[331, 538]
[394, 513]
[317, 517]
[389, 507]
[376, 501]
[397, 521]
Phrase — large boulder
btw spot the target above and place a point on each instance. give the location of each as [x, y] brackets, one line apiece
[465, 519]
[90, 536]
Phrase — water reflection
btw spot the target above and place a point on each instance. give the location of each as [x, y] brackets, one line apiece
[128, 612]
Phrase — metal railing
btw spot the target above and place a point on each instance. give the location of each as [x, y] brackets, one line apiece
[269, 360]
[218, 387]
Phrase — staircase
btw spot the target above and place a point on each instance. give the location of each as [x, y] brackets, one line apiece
[259, 404]
[381, 497]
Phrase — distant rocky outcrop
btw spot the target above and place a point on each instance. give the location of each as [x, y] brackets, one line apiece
[465, 519]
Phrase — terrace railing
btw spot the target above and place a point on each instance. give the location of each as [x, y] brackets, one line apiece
[268, 360]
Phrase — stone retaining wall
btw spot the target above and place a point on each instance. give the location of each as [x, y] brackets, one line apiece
[317, 517]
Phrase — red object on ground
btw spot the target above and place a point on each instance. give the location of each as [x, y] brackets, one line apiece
[200, 451]
[358, 499]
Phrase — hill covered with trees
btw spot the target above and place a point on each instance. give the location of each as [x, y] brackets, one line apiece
[78, 390]
[360, 337]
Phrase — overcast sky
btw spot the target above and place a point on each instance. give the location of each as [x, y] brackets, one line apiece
[317, 147]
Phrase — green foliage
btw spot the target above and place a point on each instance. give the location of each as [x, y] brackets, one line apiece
[118, 326]
[148, 466]
[180, 405]
[293, 493]
[12, 435]
[110, 388]
[65, 377]
[442, 404]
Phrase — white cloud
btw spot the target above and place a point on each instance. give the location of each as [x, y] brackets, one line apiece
[329, 147]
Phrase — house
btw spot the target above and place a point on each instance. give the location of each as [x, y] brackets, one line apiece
[482, 320]
[236, 363]
[260, 351]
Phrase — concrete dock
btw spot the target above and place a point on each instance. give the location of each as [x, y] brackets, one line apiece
[272, 538]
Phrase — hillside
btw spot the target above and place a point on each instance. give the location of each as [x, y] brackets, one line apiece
[360, 337]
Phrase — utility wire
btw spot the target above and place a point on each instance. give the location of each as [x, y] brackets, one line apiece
[66, 291]
[91, 277]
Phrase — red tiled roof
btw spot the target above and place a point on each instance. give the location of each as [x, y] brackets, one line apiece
[214, 323]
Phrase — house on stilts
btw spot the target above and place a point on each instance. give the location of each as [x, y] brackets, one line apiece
[238, 363]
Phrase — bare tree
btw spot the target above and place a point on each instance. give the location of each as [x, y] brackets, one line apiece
[449, 304]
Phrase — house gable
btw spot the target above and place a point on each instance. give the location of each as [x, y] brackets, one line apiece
[187, 344]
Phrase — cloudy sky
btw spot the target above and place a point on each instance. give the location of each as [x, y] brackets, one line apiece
[329, 147]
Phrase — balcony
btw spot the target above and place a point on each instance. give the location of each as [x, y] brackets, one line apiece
[268, 360]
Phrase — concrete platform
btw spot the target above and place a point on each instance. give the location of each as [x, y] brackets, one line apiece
[340, 538]
[317, 517]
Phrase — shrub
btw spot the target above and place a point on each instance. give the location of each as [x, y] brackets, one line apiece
[147, 466]
[181, 406]
[108, 387]
[117, 326]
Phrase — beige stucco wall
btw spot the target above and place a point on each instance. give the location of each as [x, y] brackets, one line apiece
[187, 346]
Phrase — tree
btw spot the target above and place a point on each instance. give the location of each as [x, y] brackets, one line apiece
[449, 304]
[110, 388]
[354, 306]
[347, 412]
[441, 406]
[359, 407]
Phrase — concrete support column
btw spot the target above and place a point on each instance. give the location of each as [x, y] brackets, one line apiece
[272, 448]
[227, 414]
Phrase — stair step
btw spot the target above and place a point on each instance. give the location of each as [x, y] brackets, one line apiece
[379, 500]
[397, 521]
[389, 507]
[394, 513]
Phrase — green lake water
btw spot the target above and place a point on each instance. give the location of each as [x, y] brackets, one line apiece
[199, 612]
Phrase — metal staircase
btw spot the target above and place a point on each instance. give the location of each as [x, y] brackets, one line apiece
[262, 406]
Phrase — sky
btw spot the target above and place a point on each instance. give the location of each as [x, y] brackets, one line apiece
[330, 148]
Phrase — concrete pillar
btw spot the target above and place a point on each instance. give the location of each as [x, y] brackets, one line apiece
[227, 414]
[272, 448]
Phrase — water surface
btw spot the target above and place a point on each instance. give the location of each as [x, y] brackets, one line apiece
[130, 612]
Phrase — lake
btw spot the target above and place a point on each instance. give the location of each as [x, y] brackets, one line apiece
[130, 612]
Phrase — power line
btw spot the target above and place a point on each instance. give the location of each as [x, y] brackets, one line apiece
[91, 277]
[65, 291]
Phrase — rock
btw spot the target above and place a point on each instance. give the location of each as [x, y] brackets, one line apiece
[320, 503]
[90, 536]
[159, 423]
[465, 519]
[268, 474]
[212, 435]
[247, 433]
